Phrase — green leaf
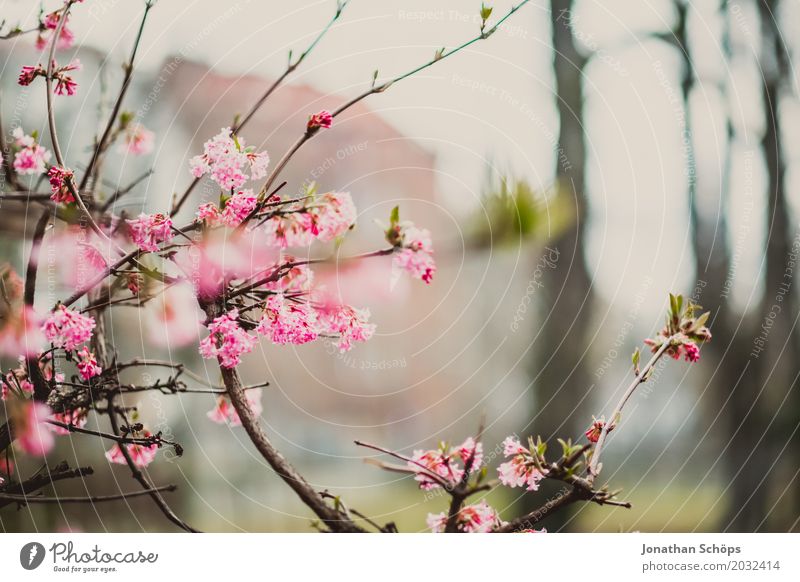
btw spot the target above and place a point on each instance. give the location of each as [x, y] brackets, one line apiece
[394, 217]
[486, 12]
[635, 357]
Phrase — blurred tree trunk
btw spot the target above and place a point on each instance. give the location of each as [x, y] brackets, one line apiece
[560, 367]
[779, 367]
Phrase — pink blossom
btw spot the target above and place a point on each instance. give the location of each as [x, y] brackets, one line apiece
[349, 324]
[77, 417]
[238, 207]
[16, 381]
[415, 254]
[173, 318]
[447, 462]
[227, 160]
[318, 120]
[334, 214]
[142, 455]
[227, 341]
[20, 332]
[87, 364]
[296, 229]
[31, 428]
[149, 230]
[298, 278]
[31, 157]
[65, 84]
[476, 518]
[691, 351]
[50, 22]
[596, 428]
[66, 328]
[225, 413]
[209, 213]
[29, 73]
[59, 177]
[287, 322]
[137, 140]
[520, 470]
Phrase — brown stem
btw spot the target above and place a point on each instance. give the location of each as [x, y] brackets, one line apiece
[101, 145]
[236, 391]
[594, 463]
[290, 68]
[24, 499]
[309, 133]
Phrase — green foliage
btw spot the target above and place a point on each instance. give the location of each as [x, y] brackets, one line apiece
[512, 212]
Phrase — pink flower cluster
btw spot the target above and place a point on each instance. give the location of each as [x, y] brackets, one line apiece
[348, 324]
[66, 328]
[65, 84]
[77, 417]
[150, 230]
[327, 217]
[20, 332]
[596, 428]
[415, 254]
[227, 341]
[225, 413]
[236, 209]
[228, 161]
[520, 471]
[31, 431]
[31, 158]
[476, 518]
[58, 184]
[137, 140]
[49, 25]
[288, 322]
[444, 462]
[318, 120]
[141, 455]
[87, 364]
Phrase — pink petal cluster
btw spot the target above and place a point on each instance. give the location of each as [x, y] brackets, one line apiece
[334, 214]
[16, 381]
[228, 161]
[237, 208]
[87, 364]
[449, 463]
[596, 428]
[65, 39]
[348, 324]
[58, 184]
[520, 471]
[137, 140]
[142, 455]
[20, 332]
[66, 329]
[31, 158]
[225, 413]
[288, 322]
[295, 229]
[77, 417]
[329, 216]
[29, 73]
[65, 84]
[318, 120]
[31, 429]
[150, 230]
[415, 254]
[476, 518]
[227, 341]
